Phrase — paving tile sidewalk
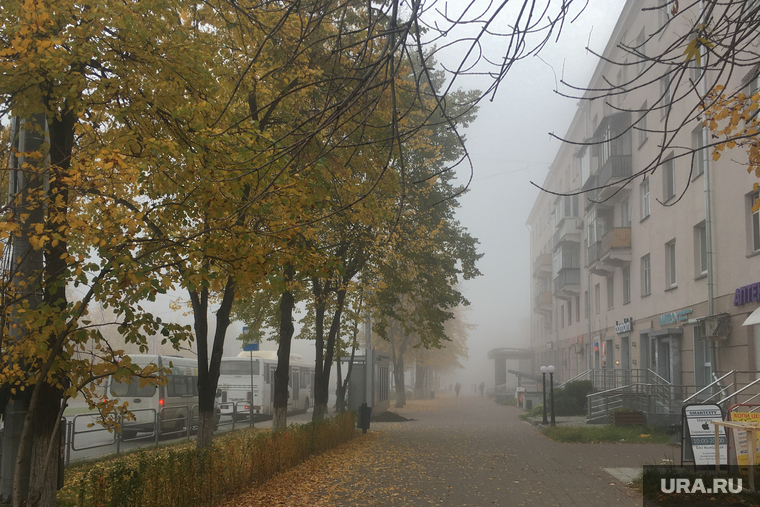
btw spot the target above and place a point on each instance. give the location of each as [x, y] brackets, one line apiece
[468, 451]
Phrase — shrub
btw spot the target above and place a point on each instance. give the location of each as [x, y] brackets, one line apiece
[182, 475]
[570, 400]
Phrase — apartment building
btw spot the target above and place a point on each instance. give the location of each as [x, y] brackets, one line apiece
[658, 272]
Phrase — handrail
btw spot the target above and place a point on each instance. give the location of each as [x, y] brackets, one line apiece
[739, 391]
[610, 390]
[664, 380]
[584, 374]
[719, 392]
[709, 386]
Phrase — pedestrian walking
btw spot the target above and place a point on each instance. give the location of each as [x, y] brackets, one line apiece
[457, 388]
[482, 388]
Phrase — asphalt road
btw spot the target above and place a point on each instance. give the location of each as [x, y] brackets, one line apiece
[469, 451]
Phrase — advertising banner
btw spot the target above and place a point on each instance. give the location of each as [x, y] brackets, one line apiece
[740, 436]
[700, 433]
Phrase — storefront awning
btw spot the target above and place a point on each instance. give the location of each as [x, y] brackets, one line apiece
[753, 319]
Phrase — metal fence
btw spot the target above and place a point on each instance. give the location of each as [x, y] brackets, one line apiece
[83, 432]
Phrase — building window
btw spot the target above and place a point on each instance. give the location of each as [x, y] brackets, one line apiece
[699, 143]
[578, 308]
[665, 96]
[669, 180]
[569, 312]
[663, 11]
[646, 276]
[588, 304]
[610, 292]
[626, 285]
[641, 126]
[641, 48]
[670, 264]
[754, 209]
[702, 359]
[597, 299]
[644, 189]
[625, 213]
[700, 249]
[562, 316]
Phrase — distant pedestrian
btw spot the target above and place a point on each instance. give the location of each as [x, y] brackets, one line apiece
[457, 388]
[482, 388]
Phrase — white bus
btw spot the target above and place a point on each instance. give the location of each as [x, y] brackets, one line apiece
[173, 405]
[235, 383]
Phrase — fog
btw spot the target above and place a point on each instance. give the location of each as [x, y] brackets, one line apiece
[510, 146]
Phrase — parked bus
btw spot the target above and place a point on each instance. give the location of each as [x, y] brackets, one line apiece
[236, 388]
[175, 403]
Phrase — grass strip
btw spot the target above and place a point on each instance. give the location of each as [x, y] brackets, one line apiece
[607, 433]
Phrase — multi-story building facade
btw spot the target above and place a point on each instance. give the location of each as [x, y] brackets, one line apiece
[652, 272]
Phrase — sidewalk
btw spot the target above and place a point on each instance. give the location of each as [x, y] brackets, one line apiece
[464, 451]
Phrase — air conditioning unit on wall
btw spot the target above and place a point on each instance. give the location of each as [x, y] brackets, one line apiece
[717, 327]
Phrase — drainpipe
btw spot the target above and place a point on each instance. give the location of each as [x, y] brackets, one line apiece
[708, 224]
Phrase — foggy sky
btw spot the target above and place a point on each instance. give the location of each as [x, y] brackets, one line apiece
[510, 146]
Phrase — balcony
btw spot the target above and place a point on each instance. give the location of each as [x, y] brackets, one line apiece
[567, 283]
[569, 229]
[543, 302]
[615, 170]
[616, 167]
[616, 247]
[594, 261]
[542, 266]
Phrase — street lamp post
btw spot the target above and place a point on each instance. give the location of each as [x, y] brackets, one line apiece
[543, 373]
[550, 369]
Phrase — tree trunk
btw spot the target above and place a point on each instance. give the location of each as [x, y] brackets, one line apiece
[282, 373]
[44, 478]
[321, 391]
[344, 387]
[208, 371]
[419, 381]
[322, 385]
[398, 376]
[205, 429]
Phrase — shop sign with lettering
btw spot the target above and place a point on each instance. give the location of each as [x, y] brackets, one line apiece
[625, 326]
[673, 317]
[747, 294]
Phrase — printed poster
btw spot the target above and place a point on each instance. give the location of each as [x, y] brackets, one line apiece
[740, 437]
[702, 433]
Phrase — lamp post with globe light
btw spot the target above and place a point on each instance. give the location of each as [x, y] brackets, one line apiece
[544, 369]
[550, 370]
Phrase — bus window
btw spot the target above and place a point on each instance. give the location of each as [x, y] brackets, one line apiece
[238, 368]
[180, 385]
[304, 377]
[132, 389]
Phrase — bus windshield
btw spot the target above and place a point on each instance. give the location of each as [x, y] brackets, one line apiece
[131, 389]
[238, 368]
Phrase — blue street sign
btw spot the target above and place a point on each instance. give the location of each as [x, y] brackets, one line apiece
[251, 347]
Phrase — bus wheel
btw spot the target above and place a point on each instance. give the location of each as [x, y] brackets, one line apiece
[128, 434]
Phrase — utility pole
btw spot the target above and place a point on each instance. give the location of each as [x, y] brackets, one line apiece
[28, 186]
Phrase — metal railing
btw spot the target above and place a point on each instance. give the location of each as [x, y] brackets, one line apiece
[655, 395]
[586, 375]
[150, 424]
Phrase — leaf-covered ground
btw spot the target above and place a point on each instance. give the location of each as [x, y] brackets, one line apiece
[465, 451]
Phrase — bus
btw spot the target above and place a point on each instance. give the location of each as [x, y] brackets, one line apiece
[175, 404]
[236, 386]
